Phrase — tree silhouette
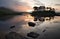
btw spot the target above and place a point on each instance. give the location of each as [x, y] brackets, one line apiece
[43, 11]
[35, 8]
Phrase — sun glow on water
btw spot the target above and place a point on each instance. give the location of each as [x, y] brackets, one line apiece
[28, 17]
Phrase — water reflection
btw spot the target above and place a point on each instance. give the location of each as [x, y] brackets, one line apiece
[22, 27]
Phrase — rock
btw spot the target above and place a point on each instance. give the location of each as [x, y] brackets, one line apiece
[31, 24]
[33, 35]
[12, 27]
[44, 30]
[41, 19]
[14, 35]
[35, 19]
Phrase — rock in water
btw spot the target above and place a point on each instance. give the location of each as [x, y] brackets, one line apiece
[12, 27]
[31, 24]
[35, 19]
[33, 35]
[14, 35]
[44, 30]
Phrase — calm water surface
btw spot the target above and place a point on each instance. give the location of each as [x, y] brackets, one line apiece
[52, 27]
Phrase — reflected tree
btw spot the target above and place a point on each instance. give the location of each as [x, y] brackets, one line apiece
[44, 12]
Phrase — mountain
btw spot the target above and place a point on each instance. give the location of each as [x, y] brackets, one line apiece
[7, 11]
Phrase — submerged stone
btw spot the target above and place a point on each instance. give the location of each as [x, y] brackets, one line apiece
[35, 19]
[31, 24]
[44, 30]
[41, 19]
[33, 34]
[12, 27]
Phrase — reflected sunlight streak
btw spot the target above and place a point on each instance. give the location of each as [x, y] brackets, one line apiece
[29, 18]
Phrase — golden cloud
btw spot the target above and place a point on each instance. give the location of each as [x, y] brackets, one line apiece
[22, 8]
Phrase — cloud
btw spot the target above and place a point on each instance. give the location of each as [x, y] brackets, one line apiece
[20, 5]
[15, 4]
[22, 8]
[38, 3]
[57, 4]
[8, 3]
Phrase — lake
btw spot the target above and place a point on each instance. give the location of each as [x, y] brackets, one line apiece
[46, 30]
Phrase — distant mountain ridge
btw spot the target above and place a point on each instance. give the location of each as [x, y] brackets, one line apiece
[7, 11]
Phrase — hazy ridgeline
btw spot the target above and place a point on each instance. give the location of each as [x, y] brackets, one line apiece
[7, 11]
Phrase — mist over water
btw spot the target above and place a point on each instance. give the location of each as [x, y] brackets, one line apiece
[20, 22]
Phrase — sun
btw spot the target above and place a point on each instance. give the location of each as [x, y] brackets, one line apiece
[29, 10]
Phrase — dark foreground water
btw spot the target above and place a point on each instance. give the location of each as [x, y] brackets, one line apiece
[46, 30]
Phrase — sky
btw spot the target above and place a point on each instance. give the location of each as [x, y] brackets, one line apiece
[27, 5]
